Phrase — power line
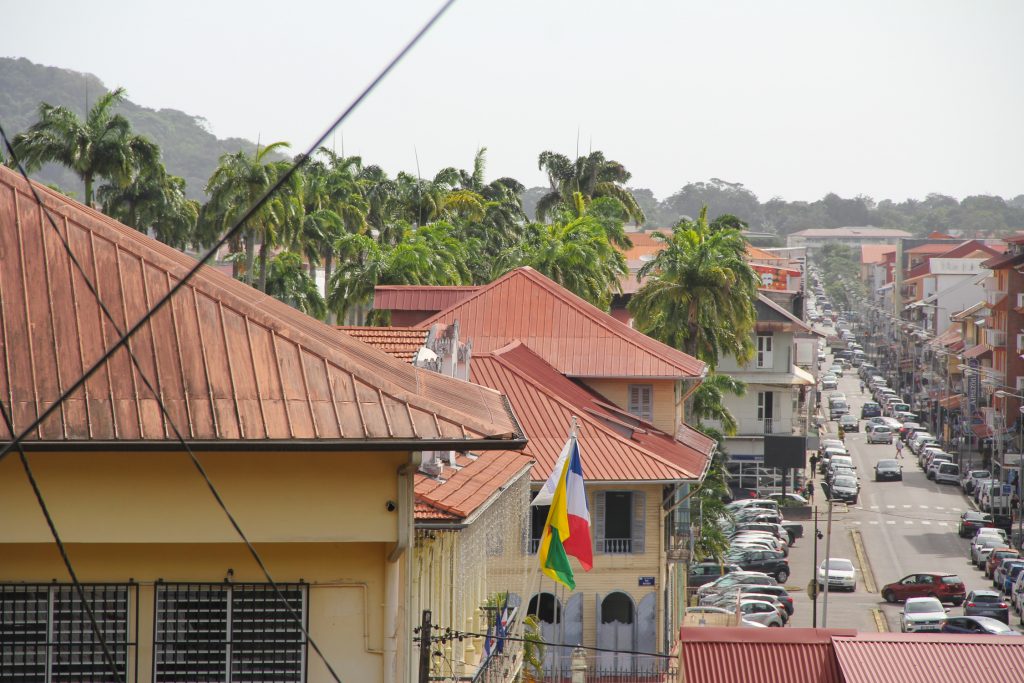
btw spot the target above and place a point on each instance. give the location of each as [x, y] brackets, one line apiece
[450, 634]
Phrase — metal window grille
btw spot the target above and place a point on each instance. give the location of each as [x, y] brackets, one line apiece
[46, 637]
[229, 633]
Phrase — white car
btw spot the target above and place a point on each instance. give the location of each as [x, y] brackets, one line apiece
[841, 574]
[922, 614]
[1017, 595]
[919, 440]
[947, 473]
[983, 547]
[879, 434]
[761, 612]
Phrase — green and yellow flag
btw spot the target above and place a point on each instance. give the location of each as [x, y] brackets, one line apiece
[553, 560]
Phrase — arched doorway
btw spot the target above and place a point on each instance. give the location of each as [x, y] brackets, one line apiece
[548, 610]
[616, 630]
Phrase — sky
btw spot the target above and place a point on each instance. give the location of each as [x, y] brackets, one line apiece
[792, 98]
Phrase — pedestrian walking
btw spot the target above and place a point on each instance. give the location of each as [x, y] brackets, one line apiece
[899, 448]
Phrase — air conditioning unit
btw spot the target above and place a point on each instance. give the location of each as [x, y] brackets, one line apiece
[1020, 384]
[1020, 299]
[1020, 342]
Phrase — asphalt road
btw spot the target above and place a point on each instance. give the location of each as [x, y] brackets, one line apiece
[905, 527]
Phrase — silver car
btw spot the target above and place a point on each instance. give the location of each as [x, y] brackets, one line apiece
[922, 614]
[761, 612]
[879, 433]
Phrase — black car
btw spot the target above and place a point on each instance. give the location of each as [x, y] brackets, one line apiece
[971, 521]
[770, 562]
[870, 409]
[843, 488]
[888, 470]
[708, 571]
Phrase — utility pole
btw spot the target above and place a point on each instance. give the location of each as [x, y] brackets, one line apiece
[828, 554]
[425, 628]
[814, 592]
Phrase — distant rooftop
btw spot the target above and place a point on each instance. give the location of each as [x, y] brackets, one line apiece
[852, 232]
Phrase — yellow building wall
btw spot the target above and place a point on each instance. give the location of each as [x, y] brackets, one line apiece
[320, 518]
[667, 415]
[160, 498]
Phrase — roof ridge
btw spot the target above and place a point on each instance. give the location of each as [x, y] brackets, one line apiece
[596, 315]
[577, 409]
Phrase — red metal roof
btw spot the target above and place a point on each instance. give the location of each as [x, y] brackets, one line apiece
[458, 493]
[873, 253]
[1004, 261]
[615, 446]
[977, 351]
[928, 658]
[933, 248]
[418, 298]
[400, 342]
[578, 339]
[230, 363]
[729, 655]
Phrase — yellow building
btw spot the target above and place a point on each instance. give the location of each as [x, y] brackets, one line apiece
[311, 439]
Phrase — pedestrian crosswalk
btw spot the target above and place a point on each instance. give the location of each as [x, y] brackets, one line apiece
[907, 507]
[908, 522]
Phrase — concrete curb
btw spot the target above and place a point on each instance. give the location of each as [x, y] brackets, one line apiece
[881, 623]
[862, 559]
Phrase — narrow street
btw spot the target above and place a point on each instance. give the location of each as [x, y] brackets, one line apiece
[905, 527]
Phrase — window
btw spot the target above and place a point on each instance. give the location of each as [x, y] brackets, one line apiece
[619, 523]
[641, 401]
[46, 636]
[764, 351]
[538, 518]
[228, 632]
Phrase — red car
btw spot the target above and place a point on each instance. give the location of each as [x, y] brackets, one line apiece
[945, 587]
[997, 556]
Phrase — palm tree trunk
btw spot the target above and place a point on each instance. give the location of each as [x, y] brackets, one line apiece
[262, 286]
[87, 179]
[328, 267]
[250, 255]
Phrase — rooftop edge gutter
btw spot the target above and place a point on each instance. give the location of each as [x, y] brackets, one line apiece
[247, 445]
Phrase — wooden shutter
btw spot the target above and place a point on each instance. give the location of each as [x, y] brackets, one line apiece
[639, 521]
[641, 401]
[599, 509]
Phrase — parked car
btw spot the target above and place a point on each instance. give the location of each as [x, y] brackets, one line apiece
[983, 547]
[736, 579]
[879, 433]
[1017, 596]
[971, 521]
[971, 477]
[888, 470]
[997, 556]
[870, 409]
[836, 409]
[919, 440]
[986, 603]
[945, 587]
[769, 562]
[1003, 576]
[844, 488]
[922, 614]
[992, 497]
[841, 574]
[977, 625]
[947, 473]
[761, 612]
[830, 443]
[836, 369]
[932, 462]
[849, 423]
[829, 382]
[707, 571]
[907, 427]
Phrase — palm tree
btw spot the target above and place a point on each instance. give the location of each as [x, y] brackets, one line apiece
[701, 292]
[102, 146]
[592, 176]
[575, 253]
[288, 281]
[153, 200]
[237, 183]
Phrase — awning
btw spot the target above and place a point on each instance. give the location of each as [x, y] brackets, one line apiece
[951, 402]
[982, 431]
[977, 351]
[805, 377]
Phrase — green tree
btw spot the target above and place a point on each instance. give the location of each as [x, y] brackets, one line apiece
[700, 294]
[591, 176]
[289, 281]
[575, 253]
[153, 200]
[239, 181]
[102, 146]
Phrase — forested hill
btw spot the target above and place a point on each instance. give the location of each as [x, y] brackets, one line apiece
[189, 150]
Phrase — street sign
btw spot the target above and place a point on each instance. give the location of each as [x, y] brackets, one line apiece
[645, 581]
[1007, 490]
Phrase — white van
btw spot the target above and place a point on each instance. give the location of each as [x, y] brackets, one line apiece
[992, 497]
[948, 473]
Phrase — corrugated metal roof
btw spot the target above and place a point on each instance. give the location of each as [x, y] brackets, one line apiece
[852, 232]
[728, 655]
[933, 248]
[460, 492]
[615, 445]
[418, 298]
[230, 363]
[578, 339]
[1004, 261]
[400, 342]
[929, 658]
[872, 253]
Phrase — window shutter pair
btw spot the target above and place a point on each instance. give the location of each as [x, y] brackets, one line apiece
[639, 521]
[641, 401]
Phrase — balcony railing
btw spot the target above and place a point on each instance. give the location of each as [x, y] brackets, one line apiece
[754, 427]
[995, 337]
[618, 546]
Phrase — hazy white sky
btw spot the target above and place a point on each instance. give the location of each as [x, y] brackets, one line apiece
[796, 98]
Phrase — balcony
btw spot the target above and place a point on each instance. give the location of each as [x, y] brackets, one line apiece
[616, 546]
[754, 427]
[993, 297]
[995, 338]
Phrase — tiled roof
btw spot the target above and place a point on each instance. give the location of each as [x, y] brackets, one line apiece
[458, 493]
[873, 253]
[418, 298]
[933, 248]
[928, 657]
[233, 366]
[760, 254]
[574, 336]
[791, 655]
[425, 512]
[400, 342]
[1004, 261]
[644, 243]
[615, 446]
